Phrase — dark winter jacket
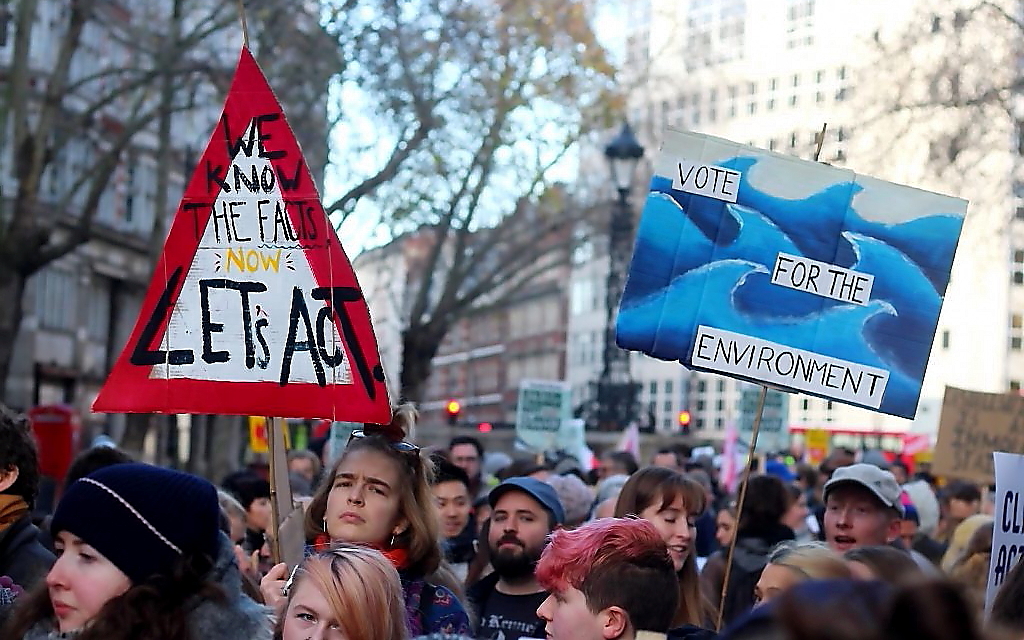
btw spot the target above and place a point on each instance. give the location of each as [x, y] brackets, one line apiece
[22, 557]
[752, 549]
[240, 618]
[690, 632]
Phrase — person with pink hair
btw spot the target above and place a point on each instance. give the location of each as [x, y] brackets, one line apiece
[610, 579]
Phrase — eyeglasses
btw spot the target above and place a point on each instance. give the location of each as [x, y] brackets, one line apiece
[400, 446]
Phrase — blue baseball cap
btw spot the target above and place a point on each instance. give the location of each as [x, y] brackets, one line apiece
[542, 492]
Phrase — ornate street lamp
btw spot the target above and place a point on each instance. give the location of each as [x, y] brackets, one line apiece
[616, 391]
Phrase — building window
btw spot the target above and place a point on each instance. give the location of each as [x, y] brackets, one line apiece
[719, 424]
[700, 405]
[720, 385]
[702, 386]
[1016, 331]
[796, 79]
[792, 100]
[700, 424]
[56, 299]
[805, 404]
[1015, 385]
[1018, 266]
[654, 387]
[773, 84]
[668, 386]
[98, 322]
[770, 105]
[945, 339]
[819, 77]
[719, 405]
[668, 405]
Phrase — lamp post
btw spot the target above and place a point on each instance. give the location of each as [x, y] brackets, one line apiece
[616, 391]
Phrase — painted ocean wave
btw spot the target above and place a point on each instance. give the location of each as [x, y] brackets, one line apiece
[702, 261]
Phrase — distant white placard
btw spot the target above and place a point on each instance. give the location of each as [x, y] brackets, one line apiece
[822, 279]
[753, 358]
[1008, 528]
[706, 180]
[544, 407]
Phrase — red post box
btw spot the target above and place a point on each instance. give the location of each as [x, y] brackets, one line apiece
[56, 429]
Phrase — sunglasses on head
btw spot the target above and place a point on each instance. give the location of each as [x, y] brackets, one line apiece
[400, 446]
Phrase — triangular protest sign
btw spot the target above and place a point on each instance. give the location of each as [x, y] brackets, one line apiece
[253, 308]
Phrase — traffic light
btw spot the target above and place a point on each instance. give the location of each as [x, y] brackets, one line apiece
[684, 422]
[484, 427]
[453, 408]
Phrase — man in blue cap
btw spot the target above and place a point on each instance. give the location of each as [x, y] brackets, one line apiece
[524, 512]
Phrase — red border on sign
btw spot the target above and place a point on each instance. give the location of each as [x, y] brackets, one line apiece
[130, 388]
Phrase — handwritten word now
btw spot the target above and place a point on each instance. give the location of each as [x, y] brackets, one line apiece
[252, 260]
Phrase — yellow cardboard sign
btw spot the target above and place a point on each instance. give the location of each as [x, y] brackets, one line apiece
[816, 445]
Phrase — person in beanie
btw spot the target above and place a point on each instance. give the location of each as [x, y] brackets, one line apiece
[141, 556]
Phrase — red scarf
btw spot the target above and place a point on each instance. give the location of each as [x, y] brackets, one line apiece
[398, 556]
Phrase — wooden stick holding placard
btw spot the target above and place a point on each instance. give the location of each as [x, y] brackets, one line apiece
[245, 27]
[272, 445]
[287, 534]
[752, 451]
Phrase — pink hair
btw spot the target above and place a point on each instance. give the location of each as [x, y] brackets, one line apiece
[573, 555]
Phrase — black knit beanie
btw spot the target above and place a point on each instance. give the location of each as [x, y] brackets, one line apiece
[140, 517]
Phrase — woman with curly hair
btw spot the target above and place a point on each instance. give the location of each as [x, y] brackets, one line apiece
[140, 556]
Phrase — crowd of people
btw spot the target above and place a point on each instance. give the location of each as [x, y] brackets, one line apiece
[403, 542]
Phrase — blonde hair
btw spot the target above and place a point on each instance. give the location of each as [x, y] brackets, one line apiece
[362, 589]
[810, 560]
[416, 500]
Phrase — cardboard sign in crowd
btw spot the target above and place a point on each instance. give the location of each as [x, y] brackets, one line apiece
[788, 272]
[253, 308]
